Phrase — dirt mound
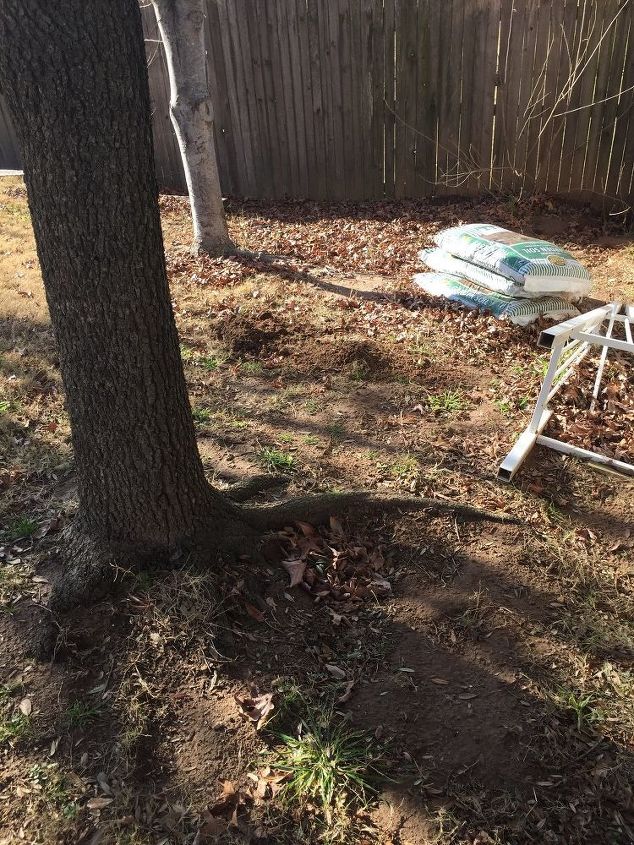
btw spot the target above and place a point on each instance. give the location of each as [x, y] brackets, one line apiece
[249, 335]
[357, 356]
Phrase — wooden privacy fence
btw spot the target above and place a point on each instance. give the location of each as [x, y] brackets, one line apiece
[361, 99]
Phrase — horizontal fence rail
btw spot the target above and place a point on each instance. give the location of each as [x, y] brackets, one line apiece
[364, 99]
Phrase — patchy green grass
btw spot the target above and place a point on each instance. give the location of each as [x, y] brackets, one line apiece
[187, 353]
[336, 429]
[275, 460]
[582, 706]
[405, 468]
[54, 788]
[80, 714]
[448, 401]
[15, 729]
[201, 416]
[210, 363]
[313, 406]
[327, 763]
[7, 691]
[359, 371]
[474, 615]
[251, 368]
[20, 529]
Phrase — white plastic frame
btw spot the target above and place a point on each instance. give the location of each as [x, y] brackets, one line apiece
[570, 342]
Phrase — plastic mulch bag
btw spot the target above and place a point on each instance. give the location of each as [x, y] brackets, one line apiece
[518, 311]
[443, 262]
[537, 266]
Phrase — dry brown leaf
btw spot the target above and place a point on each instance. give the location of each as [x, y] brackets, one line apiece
[253, 612]
[25, 707]
[99, 803]
[440, 681]
[335, 671]
[336, 527]
[257, 709]
[306, 529]
[346, 693]
[296, 570]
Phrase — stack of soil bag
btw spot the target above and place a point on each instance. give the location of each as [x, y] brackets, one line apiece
[514, 277]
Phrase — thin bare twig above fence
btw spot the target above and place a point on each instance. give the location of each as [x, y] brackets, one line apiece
[361, 99]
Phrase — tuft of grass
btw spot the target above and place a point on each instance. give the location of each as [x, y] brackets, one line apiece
[15, 729]
[312, 406]
[251, 368]
[201, 415]
[209, 363]
[474, 616]
[7, 691]
[230, 419]
[336, 429]
[277, 461]
[80, 714]
[448, 401]
[187, 353]
[580, 705]
[327, 764]
[508, 407]
[20, 529]
[54, 788]
[212, 362]
[405, 468]
[5, 406]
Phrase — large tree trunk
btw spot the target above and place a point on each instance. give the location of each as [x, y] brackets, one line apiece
[75, 77]
[181, 26]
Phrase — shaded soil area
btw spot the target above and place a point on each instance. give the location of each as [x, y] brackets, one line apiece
[488, 667]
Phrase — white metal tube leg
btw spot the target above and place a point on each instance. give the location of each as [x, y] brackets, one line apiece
[604, 355]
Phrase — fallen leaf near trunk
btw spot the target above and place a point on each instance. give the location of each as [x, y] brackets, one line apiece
[336, 527]
[99, 803]
[335, 671]
[210, 829]
[257, 709]
[306, 529]
[228, 803]
[253, 612]
[295, 569]
[346, 693]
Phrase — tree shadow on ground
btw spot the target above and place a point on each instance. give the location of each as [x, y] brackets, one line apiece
[462, 681]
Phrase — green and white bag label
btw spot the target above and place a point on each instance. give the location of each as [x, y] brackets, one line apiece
[535, 265]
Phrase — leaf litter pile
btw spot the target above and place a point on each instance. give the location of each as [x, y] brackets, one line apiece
[327, 564]
[606, 426]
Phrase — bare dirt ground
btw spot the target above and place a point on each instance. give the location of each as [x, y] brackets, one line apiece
[488, 667]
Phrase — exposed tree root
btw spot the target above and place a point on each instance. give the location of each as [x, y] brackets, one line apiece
[250, 487]
[92, 572]
[258, 256]
[318, 508]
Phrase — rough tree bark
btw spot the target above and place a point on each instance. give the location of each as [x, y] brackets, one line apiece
[180, 23]
[75, 77]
